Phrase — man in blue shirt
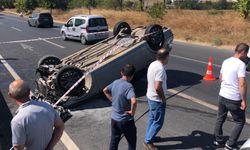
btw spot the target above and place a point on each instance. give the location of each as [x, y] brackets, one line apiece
[121, 94]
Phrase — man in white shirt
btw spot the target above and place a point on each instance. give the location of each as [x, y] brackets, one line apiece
[232, 97]
[157, 87]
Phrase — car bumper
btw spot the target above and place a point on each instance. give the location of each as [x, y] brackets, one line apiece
[97, 36]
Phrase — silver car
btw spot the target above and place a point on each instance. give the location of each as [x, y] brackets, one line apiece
[98, 65]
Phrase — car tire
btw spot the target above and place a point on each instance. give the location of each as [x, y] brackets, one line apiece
[154, 36]
[49, 60]
[83, 40]
[67, 77]
[119, 26]
[64, 36]
[37, 25]
[29, 24]
[51, 25]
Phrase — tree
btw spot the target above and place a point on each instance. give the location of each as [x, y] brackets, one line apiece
[157, 11]
[50, 4]
[243, 7]
[142, 5]
[25, 5]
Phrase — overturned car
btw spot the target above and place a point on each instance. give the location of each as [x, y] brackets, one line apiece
[96, 66]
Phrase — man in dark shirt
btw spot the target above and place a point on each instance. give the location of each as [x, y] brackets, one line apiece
[121, 94]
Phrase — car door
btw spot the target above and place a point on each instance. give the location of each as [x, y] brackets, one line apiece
[69, 28]
[32, 19]
[79, 23]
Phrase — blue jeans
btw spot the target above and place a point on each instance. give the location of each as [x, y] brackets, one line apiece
[156, 116]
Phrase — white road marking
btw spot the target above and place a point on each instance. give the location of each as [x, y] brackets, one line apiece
[16, 29]
[201, 102]
[66, 140]
[194, 60]
[30, 40]
[53, 43]
[25, 46]
[9, 68]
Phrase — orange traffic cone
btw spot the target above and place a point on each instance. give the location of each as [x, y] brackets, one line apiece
[209, 74]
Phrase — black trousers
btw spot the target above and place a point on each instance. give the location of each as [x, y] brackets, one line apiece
[127, 128]
[238, 115]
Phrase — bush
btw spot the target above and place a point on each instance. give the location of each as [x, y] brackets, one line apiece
[110, 4]
[77, 4]
[157, 10]
[25, 5]
[243, 7]
[217, 41]
[215, 12]
[188, 4]
[7, 3]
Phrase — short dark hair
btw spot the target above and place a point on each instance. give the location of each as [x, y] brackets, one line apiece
[241, 47]
[162, 54]
[128, 70]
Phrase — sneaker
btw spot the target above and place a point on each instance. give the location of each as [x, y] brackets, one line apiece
[217, 144]
[149, 146]
[227, 147]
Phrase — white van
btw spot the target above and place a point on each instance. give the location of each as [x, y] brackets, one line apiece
[85, 28]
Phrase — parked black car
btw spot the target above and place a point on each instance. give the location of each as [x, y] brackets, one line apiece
[40, 19]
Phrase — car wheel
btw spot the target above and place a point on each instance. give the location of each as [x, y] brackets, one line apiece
[121, 25]
[83, 40]
[154, 36]
[64, 36]
[67, 77]
[51, 25]
[29, 24]
[49, 60]
[37, 25]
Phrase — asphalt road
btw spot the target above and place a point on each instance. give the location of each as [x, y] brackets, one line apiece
[188, 125]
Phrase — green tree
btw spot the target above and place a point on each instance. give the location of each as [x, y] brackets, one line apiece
[157, 10]
[50, 4]
[243, 7]
[25, 5]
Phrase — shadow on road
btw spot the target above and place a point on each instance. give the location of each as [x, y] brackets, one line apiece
[197, 139]
[176, 78]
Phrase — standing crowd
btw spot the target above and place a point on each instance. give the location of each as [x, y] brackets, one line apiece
[37, 126]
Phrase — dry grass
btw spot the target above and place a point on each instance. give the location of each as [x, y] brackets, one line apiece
[198, 26]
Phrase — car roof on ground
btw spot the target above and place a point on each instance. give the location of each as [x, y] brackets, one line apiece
[89, 16]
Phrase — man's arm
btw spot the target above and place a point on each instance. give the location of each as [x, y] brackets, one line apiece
[20, 147]
[243, 92]
[57, 133]
[159, 90]
[133, 106]
[107, 94]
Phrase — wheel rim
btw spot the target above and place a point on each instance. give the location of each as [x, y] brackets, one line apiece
[83, 40]
[154, 37]
[67, 77]
[122, 26]
[64, 36]
[49, 60]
